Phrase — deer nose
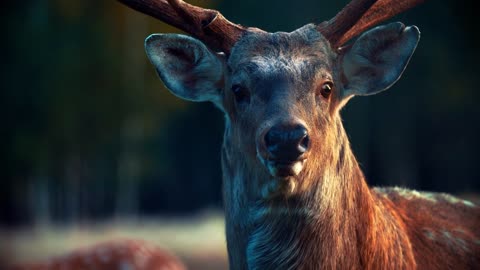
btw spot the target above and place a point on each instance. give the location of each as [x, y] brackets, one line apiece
[287, 143]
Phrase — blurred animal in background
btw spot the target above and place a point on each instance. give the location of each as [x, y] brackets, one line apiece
[294, 194]
[114, 255]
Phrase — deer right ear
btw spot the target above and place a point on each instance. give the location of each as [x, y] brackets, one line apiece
[186, 66]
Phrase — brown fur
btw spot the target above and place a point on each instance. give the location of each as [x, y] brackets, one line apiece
[321, 213]
[326, 217]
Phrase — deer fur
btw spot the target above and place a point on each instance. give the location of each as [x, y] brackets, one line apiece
[326, 217]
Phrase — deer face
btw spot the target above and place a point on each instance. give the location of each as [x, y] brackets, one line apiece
[278, 97]
[281, 92]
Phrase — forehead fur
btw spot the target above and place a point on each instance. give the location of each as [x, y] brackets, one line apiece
[304, 44]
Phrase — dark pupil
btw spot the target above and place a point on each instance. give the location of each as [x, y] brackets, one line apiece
[241, 93]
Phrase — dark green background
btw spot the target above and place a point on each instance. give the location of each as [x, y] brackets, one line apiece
[88, 132]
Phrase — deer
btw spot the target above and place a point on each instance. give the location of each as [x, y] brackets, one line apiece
[124, 254]
[294, 194]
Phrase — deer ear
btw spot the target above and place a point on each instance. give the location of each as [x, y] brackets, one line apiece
[378, 58]
[186, 66]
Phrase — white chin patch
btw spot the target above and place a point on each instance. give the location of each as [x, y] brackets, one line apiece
[285, 170]
[283, 182]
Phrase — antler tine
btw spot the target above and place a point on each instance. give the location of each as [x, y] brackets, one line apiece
[336, 27]
[379, 12]
[205, 24]
[359, 15]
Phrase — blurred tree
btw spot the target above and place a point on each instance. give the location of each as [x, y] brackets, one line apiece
[90, 132]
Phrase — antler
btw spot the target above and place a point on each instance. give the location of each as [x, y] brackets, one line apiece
[359, 15]
[205, 24]
[220, 34]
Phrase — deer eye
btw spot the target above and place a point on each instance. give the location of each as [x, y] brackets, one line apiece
[241, 93]
[326, 89]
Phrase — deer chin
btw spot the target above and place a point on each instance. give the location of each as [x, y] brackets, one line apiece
[284, 170]
[284, 178]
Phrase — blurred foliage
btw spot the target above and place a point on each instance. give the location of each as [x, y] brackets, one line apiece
[90, 132]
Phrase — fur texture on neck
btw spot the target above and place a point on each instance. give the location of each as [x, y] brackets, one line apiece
[332, 221]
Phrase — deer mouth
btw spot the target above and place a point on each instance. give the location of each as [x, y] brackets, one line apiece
[284, 174]
[284, 169]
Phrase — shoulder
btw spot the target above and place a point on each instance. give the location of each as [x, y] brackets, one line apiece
[432, 210]
[398, 194]
[442, 227]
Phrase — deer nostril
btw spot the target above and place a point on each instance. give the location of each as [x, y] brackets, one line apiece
[287, 142]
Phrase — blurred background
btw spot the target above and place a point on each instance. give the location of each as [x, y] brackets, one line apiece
[94, 147]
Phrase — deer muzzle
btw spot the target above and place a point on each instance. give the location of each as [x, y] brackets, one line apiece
[282, 149]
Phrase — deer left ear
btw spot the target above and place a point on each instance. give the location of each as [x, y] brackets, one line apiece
[186, 66]
[378, 58]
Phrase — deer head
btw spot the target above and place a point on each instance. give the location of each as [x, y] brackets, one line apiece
[285, 151]
[281, 92]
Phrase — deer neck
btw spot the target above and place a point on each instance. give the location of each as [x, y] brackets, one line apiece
[336, 224]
